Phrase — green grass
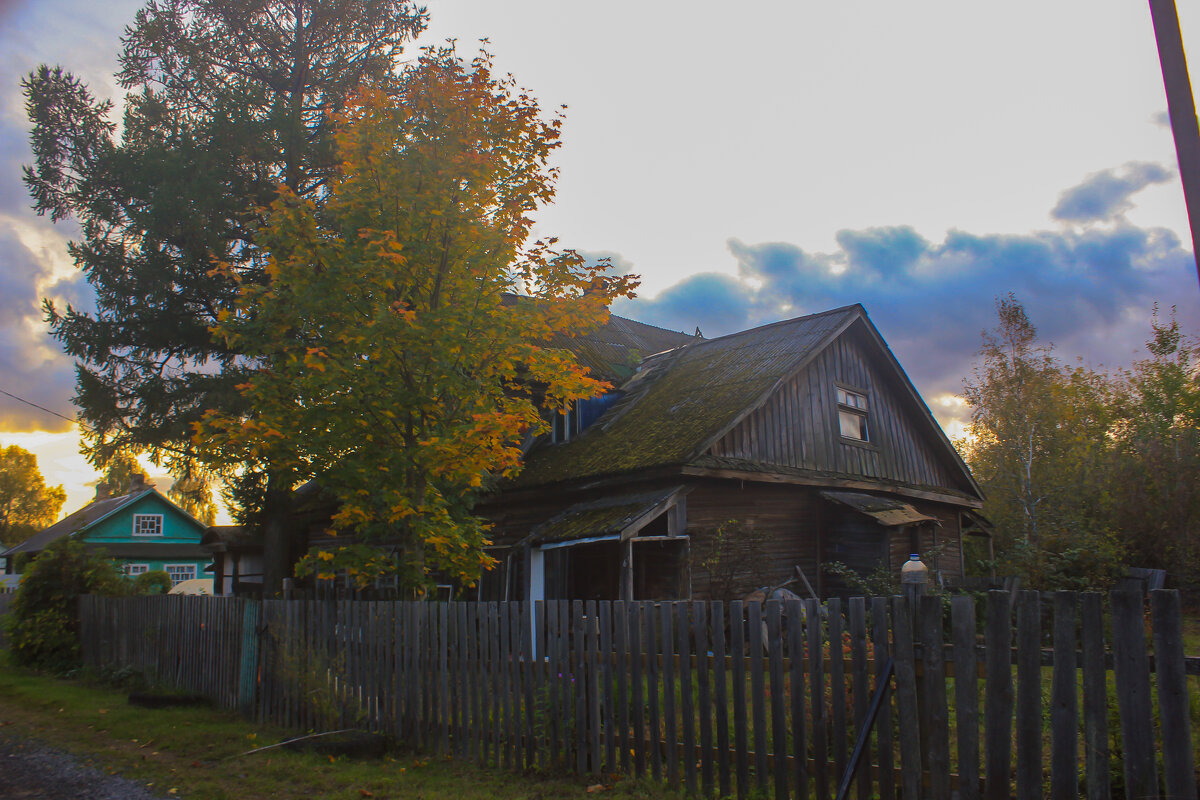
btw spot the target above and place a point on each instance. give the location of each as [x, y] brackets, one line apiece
[197, 753]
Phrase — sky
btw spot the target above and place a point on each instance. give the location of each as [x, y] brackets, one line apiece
[757, 162]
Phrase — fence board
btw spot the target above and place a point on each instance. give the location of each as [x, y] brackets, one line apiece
[1132, 670]
[1064, 707]
[778, 719]
[1029, 695]
[687, 716]
[758, 705]
[636, 651]
[667, 641]
[857, 616]
[883, 725]
[463, 679]
[721, 700]
[1178, 766]
[966, 694]
[998, 708]
[936, 713]
[703, 697]
[837, 685]
[737, 646]
[906, 697]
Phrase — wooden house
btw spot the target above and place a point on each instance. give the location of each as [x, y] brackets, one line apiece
[140, 529]
[721, 465]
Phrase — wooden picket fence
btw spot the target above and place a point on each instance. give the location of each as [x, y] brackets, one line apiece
[861, 699]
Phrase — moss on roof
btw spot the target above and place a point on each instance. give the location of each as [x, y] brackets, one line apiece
[604, 517]
[681, 399]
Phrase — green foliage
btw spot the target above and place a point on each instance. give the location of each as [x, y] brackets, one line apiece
[43, 621]
[226, 101]
[879, 582]
[155, 581]
[734, 556]
[1086, 472]
[403, 371]
[27, 504]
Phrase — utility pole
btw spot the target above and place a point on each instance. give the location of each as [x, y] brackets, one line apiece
[1181, 107]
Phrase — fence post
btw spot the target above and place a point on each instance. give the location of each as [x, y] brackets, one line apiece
[1132, 671]
[248, 661]
[906, 698]
[1173, 709]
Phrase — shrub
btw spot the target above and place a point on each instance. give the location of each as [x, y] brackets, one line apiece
[43, 622]
[156, 581]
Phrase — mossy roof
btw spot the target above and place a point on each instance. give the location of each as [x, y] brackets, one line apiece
[613, 352]
[605, 517]
[680, 400]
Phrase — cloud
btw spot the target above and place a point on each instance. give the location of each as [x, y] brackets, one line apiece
[1089, 289]
[1106, 194]
[31, 364]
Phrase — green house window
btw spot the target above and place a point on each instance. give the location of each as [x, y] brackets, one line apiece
[180, 572]
[147, 525]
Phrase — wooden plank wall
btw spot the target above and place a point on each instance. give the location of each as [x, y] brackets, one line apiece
[747, 698]
[798, 426]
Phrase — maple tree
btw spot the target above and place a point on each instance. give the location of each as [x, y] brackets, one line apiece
[27, 504]
[399, 365]
[225, 100]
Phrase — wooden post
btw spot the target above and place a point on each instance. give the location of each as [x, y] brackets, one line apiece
[1178, 766]
[1132, 671]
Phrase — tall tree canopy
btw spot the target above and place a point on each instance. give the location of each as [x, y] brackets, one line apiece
[398, 363]
[226, 101]
[1086, 472]
[27, 504]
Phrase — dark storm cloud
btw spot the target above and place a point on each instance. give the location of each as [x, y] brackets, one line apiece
[1106, 194]
[31, 366]
[1090, 290]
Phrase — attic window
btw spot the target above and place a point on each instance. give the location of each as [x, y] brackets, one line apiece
[147, 524]
[566, 424]
[852, 414]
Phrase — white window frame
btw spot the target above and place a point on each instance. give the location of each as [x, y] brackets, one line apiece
[853, 412]
[133, 570]
[565, 425]
[138, 520]
[189, 570]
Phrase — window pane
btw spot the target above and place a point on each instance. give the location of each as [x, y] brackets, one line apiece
[853, 425]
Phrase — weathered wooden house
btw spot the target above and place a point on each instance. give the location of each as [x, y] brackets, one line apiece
[723, 464]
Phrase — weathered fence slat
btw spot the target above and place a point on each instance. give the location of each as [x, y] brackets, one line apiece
[998, 702]
[737, 646]
[614, 686]
[778, 690]
[1178, 765]
[883, 724]
[966, 694]
[1064, 707]
[1132, 668]
[1029, 695]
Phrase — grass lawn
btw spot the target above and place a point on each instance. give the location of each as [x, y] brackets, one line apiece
[196, 753]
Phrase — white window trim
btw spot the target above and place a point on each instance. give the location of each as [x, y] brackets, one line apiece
[141, 568]
[190, 570]
[858, 404]
[139, 517]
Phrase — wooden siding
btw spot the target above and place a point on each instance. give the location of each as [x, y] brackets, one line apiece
[798, 425]
[794, 519]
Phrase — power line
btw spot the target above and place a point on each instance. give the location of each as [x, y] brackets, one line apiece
[40, 408]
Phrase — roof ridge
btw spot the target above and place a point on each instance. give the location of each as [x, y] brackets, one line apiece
[791, 320]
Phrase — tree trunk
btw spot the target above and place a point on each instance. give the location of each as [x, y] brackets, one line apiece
[279, 551]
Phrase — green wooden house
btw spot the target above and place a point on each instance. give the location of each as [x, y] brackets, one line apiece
[140, 529]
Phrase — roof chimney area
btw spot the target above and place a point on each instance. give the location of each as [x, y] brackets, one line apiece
[137, 483]
[103, 492]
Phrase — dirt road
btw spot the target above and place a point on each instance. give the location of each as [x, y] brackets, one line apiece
[29, 769]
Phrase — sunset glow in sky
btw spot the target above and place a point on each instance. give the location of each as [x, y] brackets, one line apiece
[760, 161]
